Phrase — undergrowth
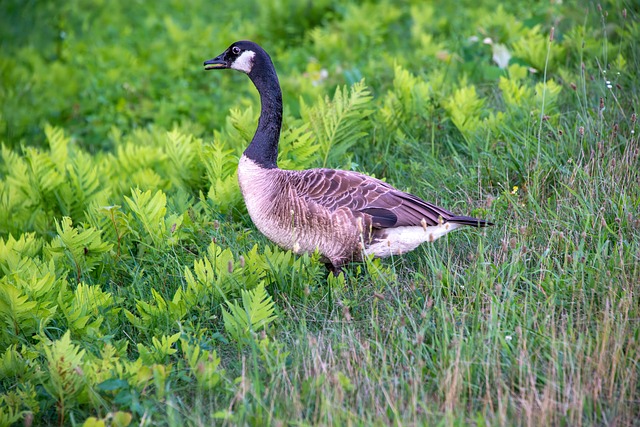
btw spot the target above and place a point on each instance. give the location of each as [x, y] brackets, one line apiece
[135, 290]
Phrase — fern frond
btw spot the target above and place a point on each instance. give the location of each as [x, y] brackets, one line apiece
[256, 312]
[339, 123]
[64, 362]
[85, 309]
[82, 246]
[203, 365]
[150, 211]
[220, 164]
[297, 148]
[184, 153]
[58, 144]
[465, 109]
[85, 184]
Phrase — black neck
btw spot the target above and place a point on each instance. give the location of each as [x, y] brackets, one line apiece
[264, 146]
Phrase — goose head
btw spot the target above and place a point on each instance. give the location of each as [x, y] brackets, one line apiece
[241, 56]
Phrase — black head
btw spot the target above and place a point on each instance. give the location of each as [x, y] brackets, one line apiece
[239, 56]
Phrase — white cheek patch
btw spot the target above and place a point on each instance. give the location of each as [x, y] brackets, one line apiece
[244, 62]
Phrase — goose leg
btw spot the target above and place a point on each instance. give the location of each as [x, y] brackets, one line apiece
[334, 269]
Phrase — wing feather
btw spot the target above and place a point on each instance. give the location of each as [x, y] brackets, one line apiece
[383, 205]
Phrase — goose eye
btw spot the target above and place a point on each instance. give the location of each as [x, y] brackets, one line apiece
[235, 50]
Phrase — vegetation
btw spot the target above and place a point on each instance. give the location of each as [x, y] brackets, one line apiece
[134, 288]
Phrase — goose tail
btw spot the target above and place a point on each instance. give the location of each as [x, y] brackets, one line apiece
[467, 220]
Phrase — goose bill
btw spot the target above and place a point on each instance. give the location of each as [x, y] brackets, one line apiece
[214, 64]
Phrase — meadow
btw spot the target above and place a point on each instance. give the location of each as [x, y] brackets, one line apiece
[135, 290]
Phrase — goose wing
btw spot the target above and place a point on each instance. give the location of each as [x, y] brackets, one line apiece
[386, 206]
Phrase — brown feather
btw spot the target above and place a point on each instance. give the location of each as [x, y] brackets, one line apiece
[383, 205]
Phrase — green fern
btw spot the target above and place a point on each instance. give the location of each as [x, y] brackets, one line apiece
[339, 123]
[469, 113]
[217, 275]
[84, 185]
[10, 412]
[407, 105]
[256, 312]
[82, 246]
[204, 365]
[150, 210]
[160, 313]
[532, 47]
[19, 314]
[59, 146]
[160, 349]
[114, 223]
[297, 149]
[220, 165]
[135, 165]
[86, 308]
[28, 288]
[66, 380]
[12, 363]
[240, 126]
[21, 255]
[184, 153]
[61, 181]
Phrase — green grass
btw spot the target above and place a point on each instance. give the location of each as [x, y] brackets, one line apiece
[134, 288]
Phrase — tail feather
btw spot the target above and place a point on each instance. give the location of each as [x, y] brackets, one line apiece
[467, 220]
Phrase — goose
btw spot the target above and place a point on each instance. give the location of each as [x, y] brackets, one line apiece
[344, 215]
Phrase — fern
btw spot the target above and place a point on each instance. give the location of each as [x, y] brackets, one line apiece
[407, 103]
[203, 365]
[134, 166]
[160, 349]
[339, 123]
[220, 165]
[59, 146]
[20, 256]
[82, 246]
[297, 148]
[66, 379]
[10, 412]
[532, 48]
[465, 108]
[256, 312]
[85, 309]
[62, 181]
[27, 298]
[217, 275]
[184, 153]
[159, 314]
[114, 223]
[12, 363]
[240, 126]
[18, 313]
[84, 185]
[16, 197]
[150, 210]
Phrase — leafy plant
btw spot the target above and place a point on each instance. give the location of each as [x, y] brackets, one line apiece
[82, 248]
[66, 381]
[339, 123]
[255, 313]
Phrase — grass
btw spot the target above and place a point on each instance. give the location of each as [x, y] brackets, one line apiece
[120, 317]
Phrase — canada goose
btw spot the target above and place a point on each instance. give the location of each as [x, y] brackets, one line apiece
[339, 213]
